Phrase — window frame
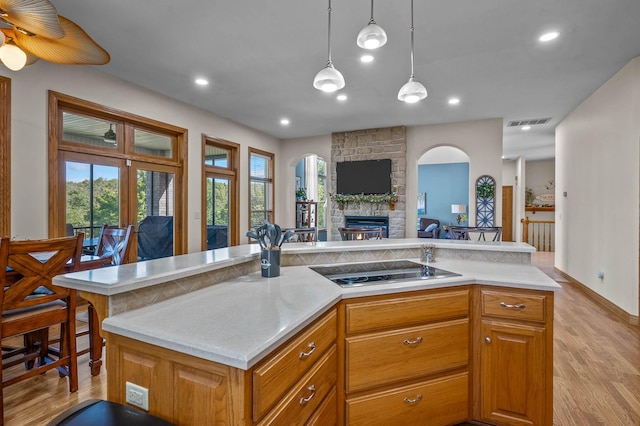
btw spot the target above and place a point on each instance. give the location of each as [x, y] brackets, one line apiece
[5, 156]
[60, 103]
[271, 180]
[230, 172]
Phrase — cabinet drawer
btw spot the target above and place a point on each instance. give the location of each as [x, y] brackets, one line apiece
[514, 305]
[326, 414]
[283, 369]
[436, 402]
[406, 311]
[380, 358]
[303, 400]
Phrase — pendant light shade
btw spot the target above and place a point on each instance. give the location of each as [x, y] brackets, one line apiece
[413, 91]
[373, 35]
[13, 57]
[329, 79]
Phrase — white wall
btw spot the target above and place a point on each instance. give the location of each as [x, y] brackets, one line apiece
[597, 153]
[29, 138]
[481, 140]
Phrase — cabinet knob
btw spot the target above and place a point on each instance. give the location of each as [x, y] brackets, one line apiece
[303, 400]
[487, 339]
[312, 349]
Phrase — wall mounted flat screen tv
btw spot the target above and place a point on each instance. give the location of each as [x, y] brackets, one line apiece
[363, 177]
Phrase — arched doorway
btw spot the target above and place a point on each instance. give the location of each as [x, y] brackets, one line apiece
[443, 187]
[311, 185]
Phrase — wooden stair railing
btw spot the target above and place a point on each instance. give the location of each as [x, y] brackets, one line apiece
[539, 233]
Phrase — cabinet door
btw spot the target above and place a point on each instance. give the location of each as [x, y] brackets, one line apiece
[513, 374]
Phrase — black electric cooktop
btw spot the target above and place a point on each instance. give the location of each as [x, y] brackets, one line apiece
[360, 274]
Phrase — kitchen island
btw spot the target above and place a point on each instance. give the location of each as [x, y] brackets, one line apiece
[225, 351]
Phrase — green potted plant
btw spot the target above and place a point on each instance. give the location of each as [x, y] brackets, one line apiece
[301, 194]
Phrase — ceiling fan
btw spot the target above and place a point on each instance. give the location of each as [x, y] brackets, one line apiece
[32, 30]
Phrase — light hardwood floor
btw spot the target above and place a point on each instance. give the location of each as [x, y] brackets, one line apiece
[596, 370]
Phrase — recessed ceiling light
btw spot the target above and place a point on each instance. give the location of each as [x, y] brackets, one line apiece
[454, 101]
[202, 81]
[285, 121]
[526, 127]
[549, 36]
[341, 97]
[366, 58]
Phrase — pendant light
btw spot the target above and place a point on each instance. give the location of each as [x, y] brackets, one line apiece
[413, 91]
[329, 79]
[372, 36]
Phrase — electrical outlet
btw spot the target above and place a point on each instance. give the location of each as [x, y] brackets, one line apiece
[137, 395]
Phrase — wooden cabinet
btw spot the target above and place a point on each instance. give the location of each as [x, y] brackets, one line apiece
[183, 389]
[516, 357]
[406, 358]
[306, 214]
[294, 385]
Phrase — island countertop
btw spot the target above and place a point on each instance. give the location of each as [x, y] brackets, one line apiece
[240, 321]
[115, 280]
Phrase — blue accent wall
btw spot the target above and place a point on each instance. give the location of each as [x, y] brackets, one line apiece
[445, 184]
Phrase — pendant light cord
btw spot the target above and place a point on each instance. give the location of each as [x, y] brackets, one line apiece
[329, 63]
[412, 75]
[372, 21]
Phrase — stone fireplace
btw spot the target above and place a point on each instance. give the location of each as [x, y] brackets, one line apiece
[372, 144]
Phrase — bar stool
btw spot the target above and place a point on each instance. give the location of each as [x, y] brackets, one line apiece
[97, 412]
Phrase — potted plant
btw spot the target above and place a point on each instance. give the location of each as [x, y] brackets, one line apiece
[301, 194]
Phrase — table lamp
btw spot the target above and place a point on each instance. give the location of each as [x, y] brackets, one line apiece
[458, 209]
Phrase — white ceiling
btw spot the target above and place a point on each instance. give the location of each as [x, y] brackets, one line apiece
[261, 57]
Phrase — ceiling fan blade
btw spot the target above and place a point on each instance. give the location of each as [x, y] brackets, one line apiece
[36, 16]
[76, 48]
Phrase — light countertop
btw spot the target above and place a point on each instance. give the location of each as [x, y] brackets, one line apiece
[240, 321]
[134, 276]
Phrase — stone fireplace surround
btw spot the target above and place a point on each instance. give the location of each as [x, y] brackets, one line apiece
[371, 144]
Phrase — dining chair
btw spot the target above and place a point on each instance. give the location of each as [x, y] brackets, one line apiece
[31, 304]
[307, 235]
[114, 244]
[348, 234]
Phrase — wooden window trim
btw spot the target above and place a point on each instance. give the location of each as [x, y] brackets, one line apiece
[272, 180]
[5, 156]
[59, 102]
[231, 171]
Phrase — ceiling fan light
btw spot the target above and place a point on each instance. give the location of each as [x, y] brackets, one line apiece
[13, 57]
[412, 92]
[110, 135]
[372, 36]
[328, 79]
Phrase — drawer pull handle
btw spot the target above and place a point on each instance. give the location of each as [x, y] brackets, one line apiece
[303, 400]
[312, 349]
[413, 401]
[518, 306]
[412, 342]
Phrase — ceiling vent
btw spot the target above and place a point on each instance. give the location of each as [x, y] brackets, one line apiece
[532, 122]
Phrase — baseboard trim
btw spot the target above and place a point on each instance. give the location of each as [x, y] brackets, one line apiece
[603, 302]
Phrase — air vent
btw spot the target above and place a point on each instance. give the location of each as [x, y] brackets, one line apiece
[533, 122]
